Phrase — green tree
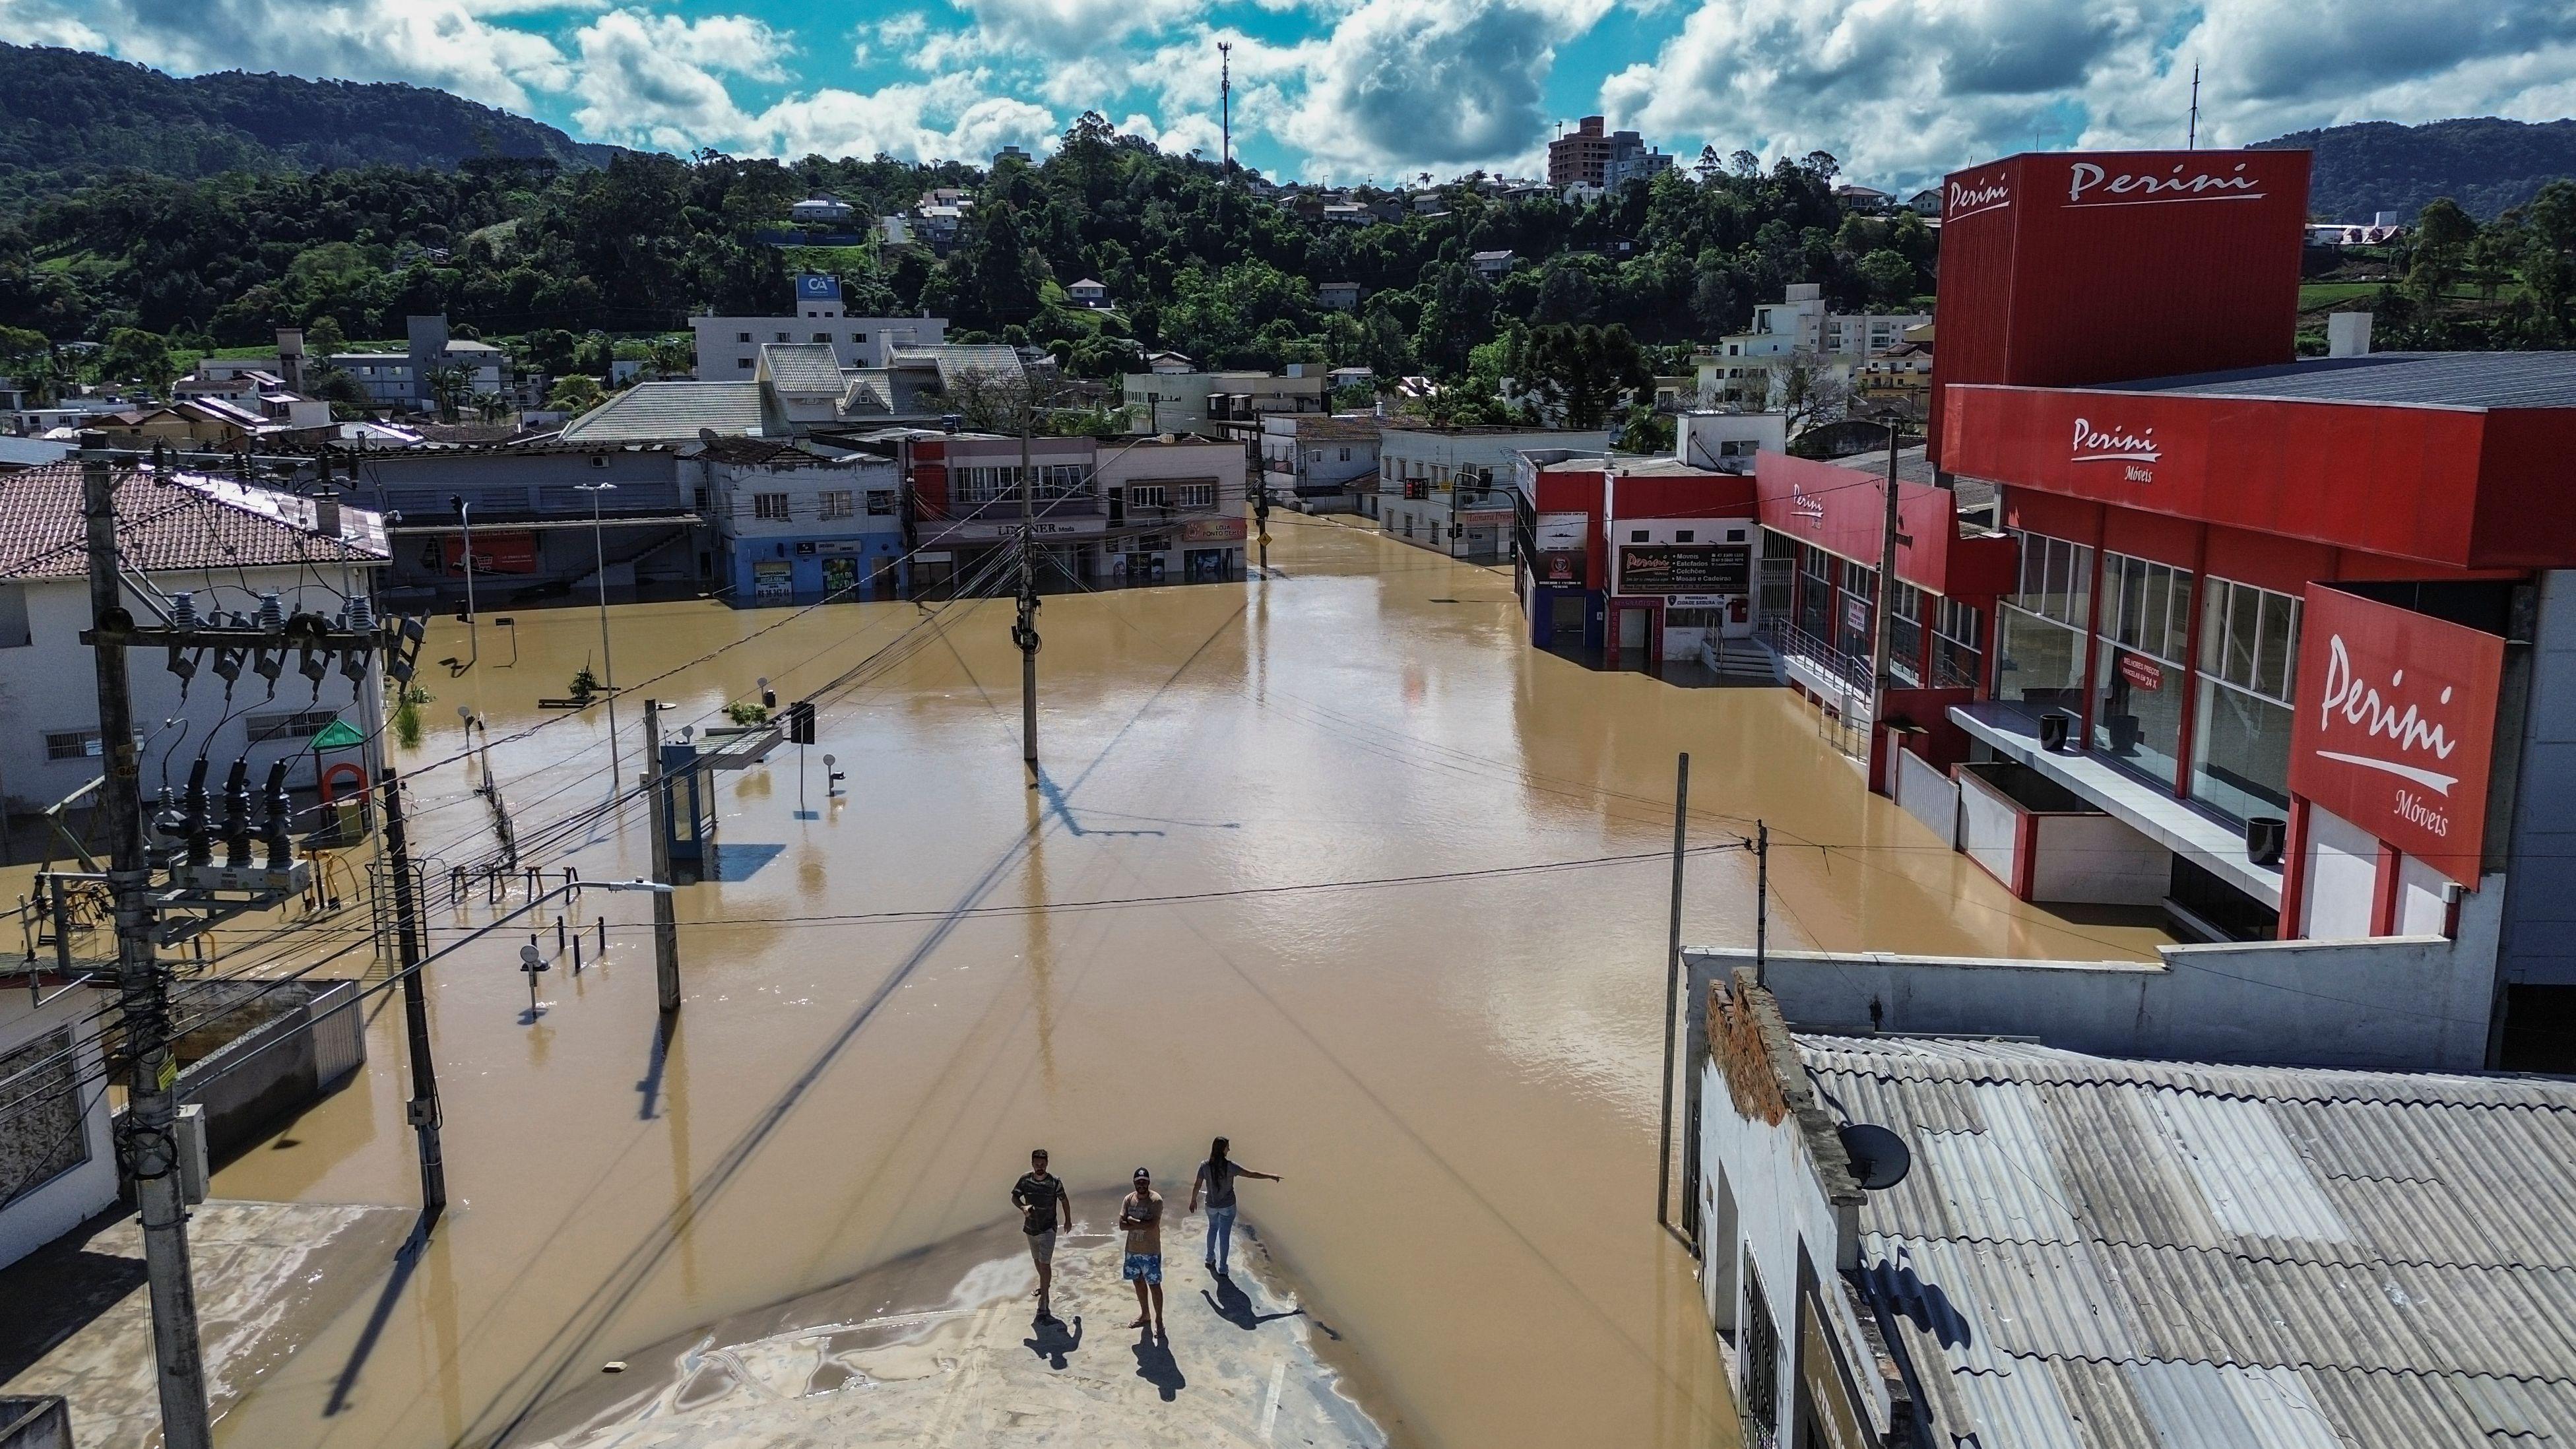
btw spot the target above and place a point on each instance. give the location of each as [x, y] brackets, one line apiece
[134, 355]
[576, 394]
[1889, 275]
[1578, 375]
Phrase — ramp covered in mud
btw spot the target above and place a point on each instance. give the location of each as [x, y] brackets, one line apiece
[942, 1347]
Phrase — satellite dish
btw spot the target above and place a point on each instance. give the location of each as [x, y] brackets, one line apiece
[1879, 1158]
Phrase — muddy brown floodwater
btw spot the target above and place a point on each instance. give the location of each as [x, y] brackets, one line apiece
[1456, 1073]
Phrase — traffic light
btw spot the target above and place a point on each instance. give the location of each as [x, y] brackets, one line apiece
[800, 722]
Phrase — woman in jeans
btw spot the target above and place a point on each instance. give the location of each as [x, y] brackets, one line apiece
[1216, 1178]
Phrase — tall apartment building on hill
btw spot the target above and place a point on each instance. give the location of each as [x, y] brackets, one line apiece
[1588, 156]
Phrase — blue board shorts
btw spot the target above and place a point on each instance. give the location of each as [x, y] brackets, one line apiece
[1144, 1267]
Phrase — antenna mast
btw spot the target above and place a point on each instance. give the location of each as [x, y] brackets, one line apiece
[1225, 110]
[2191, 137]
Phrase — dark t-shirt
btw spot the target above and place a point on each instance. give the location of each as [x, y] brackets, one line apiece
[1217, 1180]
[1037, 1197]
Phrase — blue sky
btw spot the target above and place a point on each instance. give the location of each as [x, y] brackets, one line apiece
[1902, 90]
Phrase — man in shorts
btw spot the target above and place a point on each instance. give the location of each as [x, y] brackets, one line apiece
[1041, 1201]
[1142, 1216]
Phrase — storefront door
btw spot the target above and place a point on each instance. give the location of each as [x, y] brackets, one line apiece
[840, 575]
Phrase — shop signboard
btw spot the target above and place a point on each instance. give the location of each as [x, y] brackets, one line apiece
[1213, 530]
[2141, 671]
[1563, 532]
[495, 552]
[1484, 518]
[2393, 725]
[2067, 270]
[1685, 568]
[1855, 613]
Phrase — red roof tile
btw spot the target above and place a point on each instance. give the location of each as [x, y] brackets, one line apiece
[187, 522]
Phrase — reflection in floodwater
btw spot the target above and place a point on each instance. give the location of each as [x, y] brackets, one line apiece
[1353, 877]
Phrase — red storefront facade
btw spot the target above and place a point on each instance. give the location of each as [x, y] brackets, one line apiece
[2299, 636]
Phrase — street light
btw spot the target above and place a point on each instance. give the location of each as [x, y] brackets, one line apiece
[599, 570]
[473, 636]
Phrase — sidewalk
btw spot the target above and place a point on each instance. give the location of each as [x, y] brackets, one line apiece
[269, 1275]
[939, 1349]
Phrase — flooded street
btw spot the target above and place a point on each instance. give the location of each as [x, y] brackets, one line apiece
[1453, 1064]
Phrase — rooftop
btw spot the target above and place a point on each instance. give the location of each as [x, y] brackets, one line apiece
[2422, 379]
[754, 452]
[1319, 428]
[806, 369]
[667, 412]
[172, 522]
[2142, 1255]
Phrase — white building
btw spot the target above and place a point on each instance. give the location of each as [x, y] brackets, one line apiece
[1450, 489]
[224, 543]
[795, 527]
[1175, 508]
[1166, 401]
[729, 347]
[57, 1159]
[1089, 292]
[1728, 442]
[822, 209]
[1319, 462]
[1743, 369]
[404, 379]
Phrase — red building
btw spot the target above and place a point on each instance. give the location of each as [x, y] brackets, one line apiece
[2291, 645]
[1644, 559]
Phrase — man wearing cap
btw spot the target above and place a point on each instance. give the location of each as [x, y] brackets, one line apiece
[1041, 1200]
[1142, 1216]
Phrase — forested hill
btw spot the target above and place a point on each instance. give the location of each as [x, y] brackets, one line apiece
[2483, 163]
[68, 117]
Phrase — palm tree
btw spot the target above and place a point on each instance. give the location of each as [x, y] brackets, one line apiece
[449, 386]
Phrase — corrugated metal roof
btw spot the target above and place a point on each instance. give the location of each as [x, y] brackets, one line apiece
[2163, 1255]
[2433, 379]
[668, 412]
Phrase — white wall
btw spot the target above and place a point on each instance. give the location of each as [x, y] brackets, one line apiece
[51, 684]
[2404, 1003]
[1989, 828]
[856, 341]
[2097, 860]
[2343, 872]
[1779, 1203]
[1926, 792]
[2420, 909]
[64, 1203]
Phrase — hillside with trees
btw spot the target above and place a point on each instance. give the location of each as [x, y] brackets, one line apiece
[511, 248]
[68, 117]
[2483, 163]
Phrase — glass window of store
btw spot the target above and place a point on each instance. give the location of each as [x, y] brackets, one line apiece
[2039, 635]
[1852, 619]
[1815, 590]
[1905, 632]
[1958, 644]
[2249, 650]
[2140, 675]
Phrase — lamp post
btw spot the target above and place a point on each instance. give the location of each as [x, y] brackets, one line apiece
[607, 667]
[473, 636]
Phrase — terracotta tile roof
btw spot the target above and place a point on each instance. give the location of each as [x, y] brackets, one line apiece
[190, 522]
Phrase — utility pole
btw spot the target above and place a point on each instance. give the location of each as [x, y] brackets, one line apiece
[473, 629]
[1672, 995]
[1761, 903]
[1882, 676]
[143, 990]
[1261, 516]
[423, 1109]
[666, 922]
[607, 667]
[1024, 626]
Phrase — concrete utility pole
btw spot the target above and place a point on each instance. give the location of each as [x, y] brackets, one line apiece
[1672, 994]
[666, 922]
[1882, 677]
[423, 1110]
[143, 989]
[1024, 626]
[607, 667]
